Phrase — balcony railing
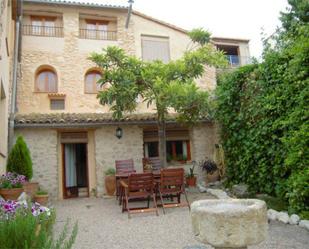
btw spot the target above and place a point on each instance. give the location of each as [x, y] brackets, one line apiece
[36, 30]
[236, 61]
[98, 34]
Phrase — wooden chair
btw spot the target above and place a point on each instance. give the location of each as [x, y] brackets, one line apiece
[123, 167]
[139, 186]
[172, 184]
[155, 163]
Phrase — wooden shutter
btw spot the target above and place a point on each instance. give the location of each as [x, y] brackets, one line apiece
[171, 135]
[74, 137]
[155, 48]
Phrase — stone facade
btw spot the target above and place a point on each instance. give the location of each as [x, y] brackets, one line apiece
[68, 57]
[6, 55]
[43, 147]
[109, 148]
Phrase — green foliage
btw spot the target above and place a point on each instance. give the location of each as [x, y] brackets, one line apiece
[200, 36]
[41, 192]
[110, 172]
[164, 86]
[19, 160]
[263, 111]
[26, 231]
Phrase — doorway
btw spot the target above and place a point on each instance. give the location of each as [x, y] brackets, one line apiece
[75, 170]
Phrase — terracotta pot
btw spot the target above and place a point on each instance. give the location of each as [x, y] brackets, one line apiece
[31, 188]
[42, 199]
[191, 181]
[212, 177]
[11, 194]
[110, 185]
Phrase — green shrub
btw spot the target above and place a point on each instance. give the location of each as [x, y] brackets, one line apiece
[110, 172]
[19, 160]
[263, 112]
[26, 231]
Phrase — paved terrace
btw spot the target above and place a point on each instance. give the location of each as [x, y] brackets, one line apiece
[103, 226]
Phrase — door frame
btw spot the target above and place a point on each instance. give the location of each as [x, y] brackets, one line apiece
[64, 196]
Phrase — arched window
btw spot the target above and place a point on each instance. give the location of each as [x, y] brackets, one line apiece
[46, 81]
[91, 79]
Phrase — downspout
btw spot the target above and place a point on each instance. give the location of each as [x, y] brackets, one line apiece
[16, 60]
[129, 13]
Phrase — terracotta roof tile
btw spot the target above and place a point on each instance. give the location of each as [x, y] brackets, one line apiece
[85, 119]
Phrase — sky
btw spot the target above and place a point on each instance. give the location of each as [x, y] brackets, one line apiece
[223, 18]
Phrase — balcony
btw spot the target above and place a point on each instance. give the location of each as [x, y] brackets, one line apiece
[38, 30]
[96, 34]
[236, 61]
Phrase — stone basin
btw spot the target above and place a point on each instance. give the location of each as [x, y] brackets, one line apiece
[229, 223]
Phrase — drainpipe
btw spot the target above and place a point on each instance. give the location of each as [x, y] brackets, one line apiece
[15, 69]
[129, 13]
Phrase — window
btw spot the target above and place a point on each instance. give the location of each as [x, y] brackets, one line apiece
[57, 104]
[91, 80]
[46, 81]
[96, 29]
[44, 26]
[177, 144]
[155, 48]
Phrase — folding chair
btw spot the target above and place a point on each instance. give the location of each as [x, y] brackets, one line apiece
[172, 184]
[138, 187]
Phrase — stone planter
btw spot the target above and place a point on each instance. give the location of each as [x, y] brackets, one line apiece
[11, 194]
[41, 199]
[31, 188]
[110, 185]
[229, 223]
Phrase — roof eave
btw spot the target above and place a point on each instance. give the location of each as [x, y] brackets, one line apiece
[77, 4]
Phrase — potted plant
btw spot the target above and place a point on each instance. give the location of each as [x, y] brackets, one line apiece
[190, 177]
[211, 169]
[19, 161]
[11, 185]
[41, 197]
[110, 181]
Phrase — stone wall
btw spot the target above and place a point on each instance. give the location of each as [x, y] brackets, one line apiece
[109, 148]
[42, 144]
[203, 140]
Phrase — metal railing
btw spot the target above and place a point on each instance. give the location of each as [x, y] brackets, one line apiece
[236, 61]
[96, 34]
[37, 30]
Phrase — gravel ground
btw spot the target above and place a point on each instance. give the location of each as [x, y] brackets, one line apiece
[102, 225]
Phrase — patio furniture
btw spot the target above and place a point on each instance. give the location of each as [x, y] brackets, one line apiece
[155, 163]
[139, 186]
[123, 169]
[172, 184]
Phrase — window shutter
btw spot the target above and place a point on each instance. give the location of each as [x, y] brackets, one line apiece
[74, 137]
[155, 48]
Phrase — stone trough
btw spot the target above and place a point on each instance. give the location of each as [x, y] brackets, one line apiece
[229, 223]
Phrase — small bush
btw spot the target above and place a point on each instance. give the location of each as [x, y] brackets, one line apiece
[19, 160]
[25, 230]
[110, 172]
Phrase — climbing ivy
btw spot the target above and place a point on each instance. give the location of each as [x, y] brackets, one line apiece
[263, 110]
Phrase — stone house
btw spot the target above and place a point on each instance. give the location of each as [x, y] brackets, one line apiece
[70, 135]
[8, 14]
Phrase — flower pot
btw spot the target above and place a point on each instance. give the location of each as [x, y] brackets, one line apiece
[41, 199]
[191, 181]
[31, 188]
[11, 193]
[110, 185]
[212, 177]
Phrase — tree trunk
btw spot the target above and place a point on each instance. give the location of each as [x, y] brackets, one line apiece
[162, 142]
